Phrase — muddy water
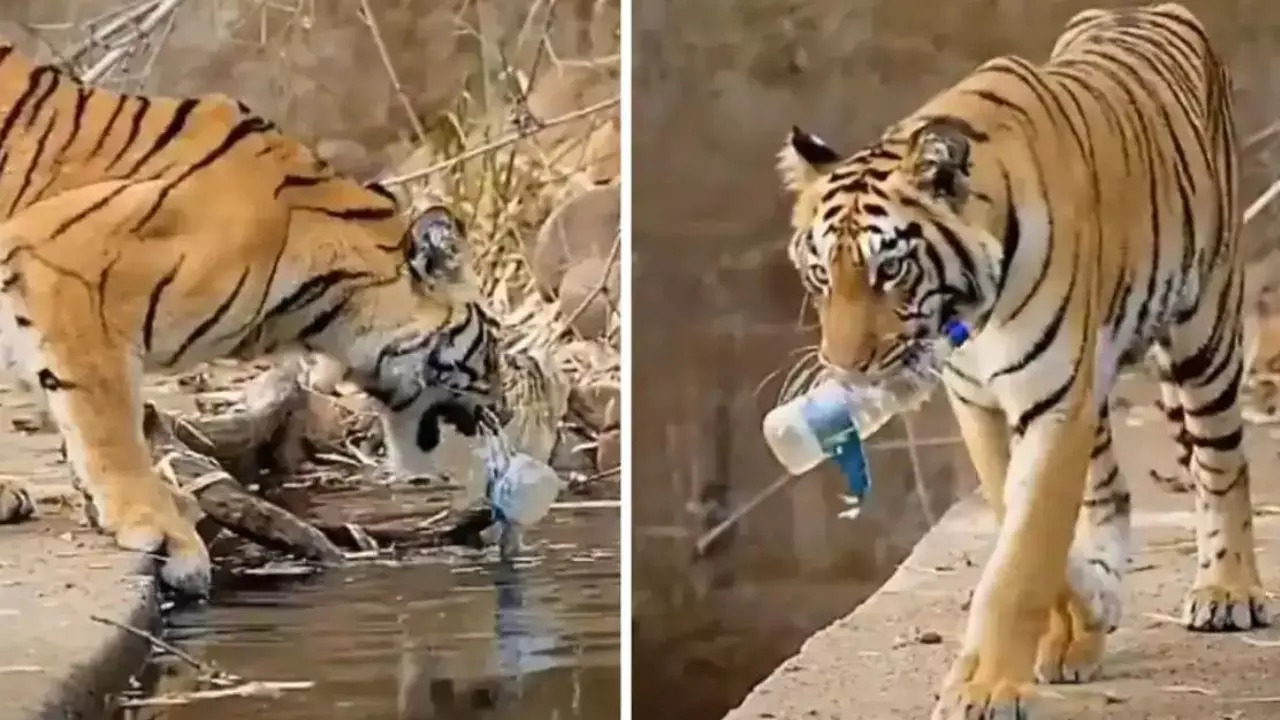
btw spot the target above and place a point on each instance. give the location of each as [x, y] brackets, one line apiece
[447, 636]
[717, 308]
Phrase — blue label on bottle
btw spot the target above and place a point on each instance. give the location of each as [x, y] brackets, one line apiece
[829, 419]
[832, 424]
[852, 461]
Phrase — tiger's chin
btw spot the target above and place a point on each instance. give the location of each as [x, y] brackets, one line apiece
[421, 439]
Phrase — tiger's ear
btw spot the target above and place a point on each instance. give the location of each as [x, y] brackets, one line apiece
[436, 246]
[939, 162]
[804, 158]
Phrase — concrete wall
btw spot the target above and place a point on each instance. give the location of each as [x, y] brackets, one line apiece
[716, 305]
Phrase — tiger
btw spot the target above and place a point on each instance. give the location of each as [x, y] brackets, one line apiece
[534, 388]
[145, 233]
[1072, 216]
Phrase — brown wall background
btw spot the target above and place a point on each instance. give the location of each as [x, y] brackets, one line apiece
[716, 304]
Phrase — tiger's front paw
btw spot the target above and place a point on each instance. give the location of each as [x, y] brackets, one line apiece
[1071, 649]
[975, 692]
[16, 503]
[156, 525]
[1216, 608]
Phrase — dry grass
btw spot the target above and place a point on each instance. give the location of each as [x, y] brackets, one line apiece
[488, 160]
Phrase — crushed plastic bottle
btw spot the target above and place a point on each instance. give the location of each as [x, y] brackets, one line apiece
[520, 490]
[833, 419]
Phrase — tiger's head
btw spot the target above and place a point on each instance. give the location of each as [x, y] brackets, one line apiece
[424, 347]
[892, 243]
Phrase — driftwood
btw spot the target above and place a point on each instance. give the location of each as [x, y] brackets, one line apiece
[216, 460]
[222, 497]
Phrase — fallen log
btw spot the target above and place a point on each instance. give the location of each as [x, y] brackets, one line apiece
[214, 460]
[282, 424]
[222, 498]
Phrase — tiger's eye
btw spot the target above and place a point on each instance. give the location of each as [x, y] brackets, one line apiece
[889, 269]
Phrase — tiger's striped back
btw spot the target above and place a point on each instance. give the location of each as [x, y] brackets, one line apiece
[57, 133]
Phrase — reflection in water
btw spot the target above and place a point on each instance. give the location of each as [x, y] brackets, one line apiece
[452, 636]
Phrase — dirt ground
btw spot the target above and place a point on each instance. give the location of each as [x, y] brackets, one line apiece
[884, 660]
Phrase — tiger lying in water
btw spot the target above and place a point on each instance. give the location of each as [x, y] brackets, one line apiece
[154, 233]
[1072, 214]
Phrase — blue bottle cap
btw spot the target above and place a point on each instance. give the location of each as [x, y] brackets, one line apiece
[957, 333]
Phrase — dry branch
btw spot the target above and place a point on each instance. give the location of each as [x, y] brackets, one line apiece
[372, 22]
[503, 142]
[160, 12]
[454, 527]
[1261, 202]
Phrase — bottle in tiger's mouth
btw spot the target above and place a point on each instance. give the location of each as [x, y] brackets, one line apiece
[835, 417]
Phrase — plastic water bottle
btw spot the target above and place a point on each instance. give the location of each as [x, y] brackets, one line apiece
[832, 419]
[520, 490]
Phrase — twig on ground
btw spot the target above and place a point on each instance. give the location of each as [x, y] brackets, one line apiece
[503, 142]
[1189, 690]
[1263, 200]
[392, 75]
[1261, 136]
[1260, 643]
[251, 688]
[603, 474]
[205, 669]
[587, 505]
[460, 527]
[1265, 699]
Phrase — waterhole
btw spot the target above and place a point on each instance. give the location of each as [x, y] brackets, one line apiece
[445, 635]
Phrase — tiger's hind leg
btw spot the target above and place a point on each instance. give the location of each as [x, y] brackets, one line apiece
[1174, 477]
[1071, 649]
[1204, 357]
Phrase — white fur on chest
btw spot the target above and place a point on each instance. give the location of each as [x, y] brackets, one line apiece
[20, 357]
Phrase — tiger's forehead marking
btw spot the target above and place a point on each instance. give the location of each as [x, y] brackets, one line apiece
[850, 203]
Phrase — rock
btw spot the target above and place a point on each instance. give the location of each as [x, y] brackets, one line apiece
[590, 144]
[609, 451]
[599, 407]
[581, 285]
[566, 459]
[583, 227]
